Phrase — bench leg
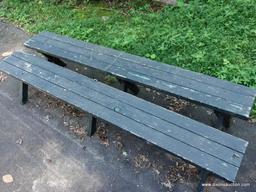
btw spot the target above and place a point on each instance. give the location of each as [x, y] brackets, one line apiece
[203, 178]
[131, 86]
[55, 60]
[223, 121]
[91, 125]
[125, 87]
[24, 93]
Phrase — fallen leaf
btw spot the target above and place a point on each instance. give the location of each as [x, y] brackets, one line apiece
[141, 161]
[156, 171]
[167, 184]
[7, 53]
[66, 123]
[3, 77]
[104, 142]
[7, 178]
[47, 118]
[209, 112]
[125, 153]
[19, 141]
[119, 145]
[191, 166]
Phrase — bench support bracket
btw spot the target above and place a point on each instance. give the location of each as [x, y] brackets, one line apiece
[91, 125]
[55, 60]
[203, 178]
[223, 121]
[24, 93]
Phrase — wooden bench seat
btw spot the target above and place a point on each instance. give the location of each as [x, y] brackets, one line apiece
[224, 97]
[197, 143]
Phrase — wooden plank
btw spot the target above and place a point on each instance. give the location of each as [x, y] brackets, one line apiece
[154, 64]
[183, 135]
[188, 153]
[161, 113]
[195, 96]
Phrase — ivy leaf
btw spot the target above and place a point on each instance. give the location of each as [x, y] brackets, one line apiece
[153, 56]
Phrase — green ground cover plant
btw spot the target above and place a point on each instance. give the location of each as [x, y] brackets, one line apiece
[214, 37]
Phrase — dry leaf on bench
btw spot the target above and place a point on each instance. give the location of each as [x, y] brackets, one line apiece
[19, 141]
[7, 53]
[7, 178]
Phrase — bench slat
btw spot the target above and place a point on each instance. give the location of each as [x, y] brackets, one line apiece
[237, 100]
[157, 111]
[183, 135]
[181, 149]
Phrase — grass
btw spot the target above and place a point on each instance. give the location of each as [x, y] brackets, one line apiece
[214, 37]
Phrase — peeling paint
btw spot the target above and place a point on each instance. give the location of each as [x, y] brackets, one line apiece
[237, 107]
[140, 76]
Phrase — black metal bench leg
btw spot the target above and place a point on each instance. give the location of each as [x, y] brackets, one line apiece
[55, 60]
[223, 121]
[24, 93]
[203, 178]
[125, 87]
[124, 84]
[91, 125]
[131, 86]
[134, 88]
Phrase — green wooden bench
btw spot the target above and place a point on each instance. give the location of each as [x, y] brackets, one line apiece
[225, 98]
[210, 149]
